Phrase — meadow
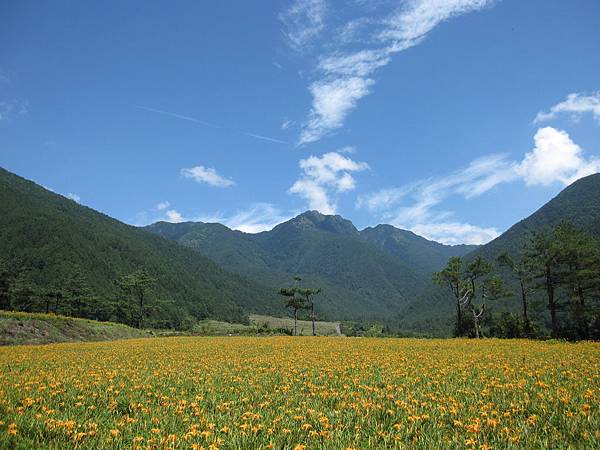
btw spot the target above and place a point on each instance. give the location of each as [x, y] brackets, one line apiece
[300, 393]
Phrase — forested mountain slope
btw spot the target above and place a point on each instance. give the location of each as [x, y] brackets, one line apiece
[366, 274]
[44, 237]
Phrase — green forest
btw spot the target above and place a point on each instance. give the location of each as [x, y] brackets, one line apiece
[539, 279]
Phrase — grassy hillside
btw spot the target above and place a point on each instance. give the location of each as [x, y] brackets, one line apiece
[261, 325]
[44, 237]
[18, 328]
[304, 326]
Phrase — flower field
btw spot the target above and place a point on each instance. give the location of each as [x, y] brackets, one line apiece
[300, 393]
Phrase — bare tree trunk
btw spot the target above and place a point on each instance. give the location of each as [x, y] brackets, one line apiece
[524, 301]
[295, 321]
[552, 308]
[458, 330]
[312, 316]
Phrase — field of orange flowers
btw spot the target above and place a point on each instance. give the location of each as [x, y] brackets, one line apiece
[300, 393]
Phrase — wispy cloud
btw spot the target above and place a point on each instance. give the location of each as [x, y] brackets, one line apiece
[13, 109]
[575, 105]
[286, 124]
[325, 176]
[303, 22]
[265, 138]
[352, 53]
[555, 158]
[254, 219]
[210, 124]
[207, 175]
[76, 198]
[178, 116]
[162, 205]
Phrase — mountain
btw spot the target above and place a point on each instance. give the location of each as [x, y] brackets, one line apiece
[578, 203]
[428, 256]
[48, 236]
[364, 274]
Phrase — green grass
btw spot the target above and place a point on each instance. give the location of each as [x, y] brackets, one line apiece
[304, 326]
[18, 328]
[263, 325]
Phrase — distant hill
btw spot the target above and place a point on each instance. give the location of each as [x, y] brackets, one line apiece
[47, 236]
[206, 270]
[419, 252]
[578, 203]
[364, 274]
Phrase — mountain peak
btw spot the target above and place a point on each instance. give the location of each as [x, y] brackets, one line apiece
[325, 222]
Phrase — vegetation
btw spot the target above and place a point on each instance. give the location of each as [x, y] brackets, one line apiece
[35, 328]
[364, 275]
[562, 264]
[297, 393]
[58, 256]
[304, 327]
[298, 298]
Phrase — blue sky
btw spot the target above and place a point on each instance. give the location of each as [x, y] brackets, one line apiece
[453, 118]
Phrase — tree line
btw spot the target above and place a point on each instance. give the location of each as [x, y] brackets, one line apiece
[131, 303]
[555, 276]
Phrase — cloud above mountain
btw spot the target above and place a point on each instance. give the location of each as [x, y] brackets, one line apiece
[348, 54]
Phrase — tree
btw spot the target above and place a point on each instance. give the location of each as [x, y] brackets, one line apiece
[51, 297]
[309, 295]
[541, 257]
[300, 298]
[137, 286]
[579, 274]
[519, 270]
[5, 279]
[23, 295]
[77, 292]
[451, 276]
[293, 301]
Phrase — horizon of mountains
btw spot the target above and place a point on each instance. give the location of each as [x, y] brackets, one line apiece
[208, 270]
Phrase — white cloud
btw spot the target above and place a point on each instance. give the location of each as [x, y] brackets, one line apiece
[286, 124]
[13, 109]
[412, 23]
[415, 206]
[332, 101]
[453, 233]
[207, 175]
[576, 105]
[555, 157]
[174, 216]
[303, 22]
[325, 176]
[344, 74]
[162, 205]
[258, 217]
[315, 194]
[74, 197]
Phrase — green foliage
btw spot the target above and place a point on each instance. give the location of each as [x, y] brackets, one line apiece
[360, 278]
[50, 242]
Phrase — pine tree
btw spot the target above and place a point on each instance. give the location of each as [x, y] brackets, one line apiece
[137, 287]
[520, 272]
[451, 276]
